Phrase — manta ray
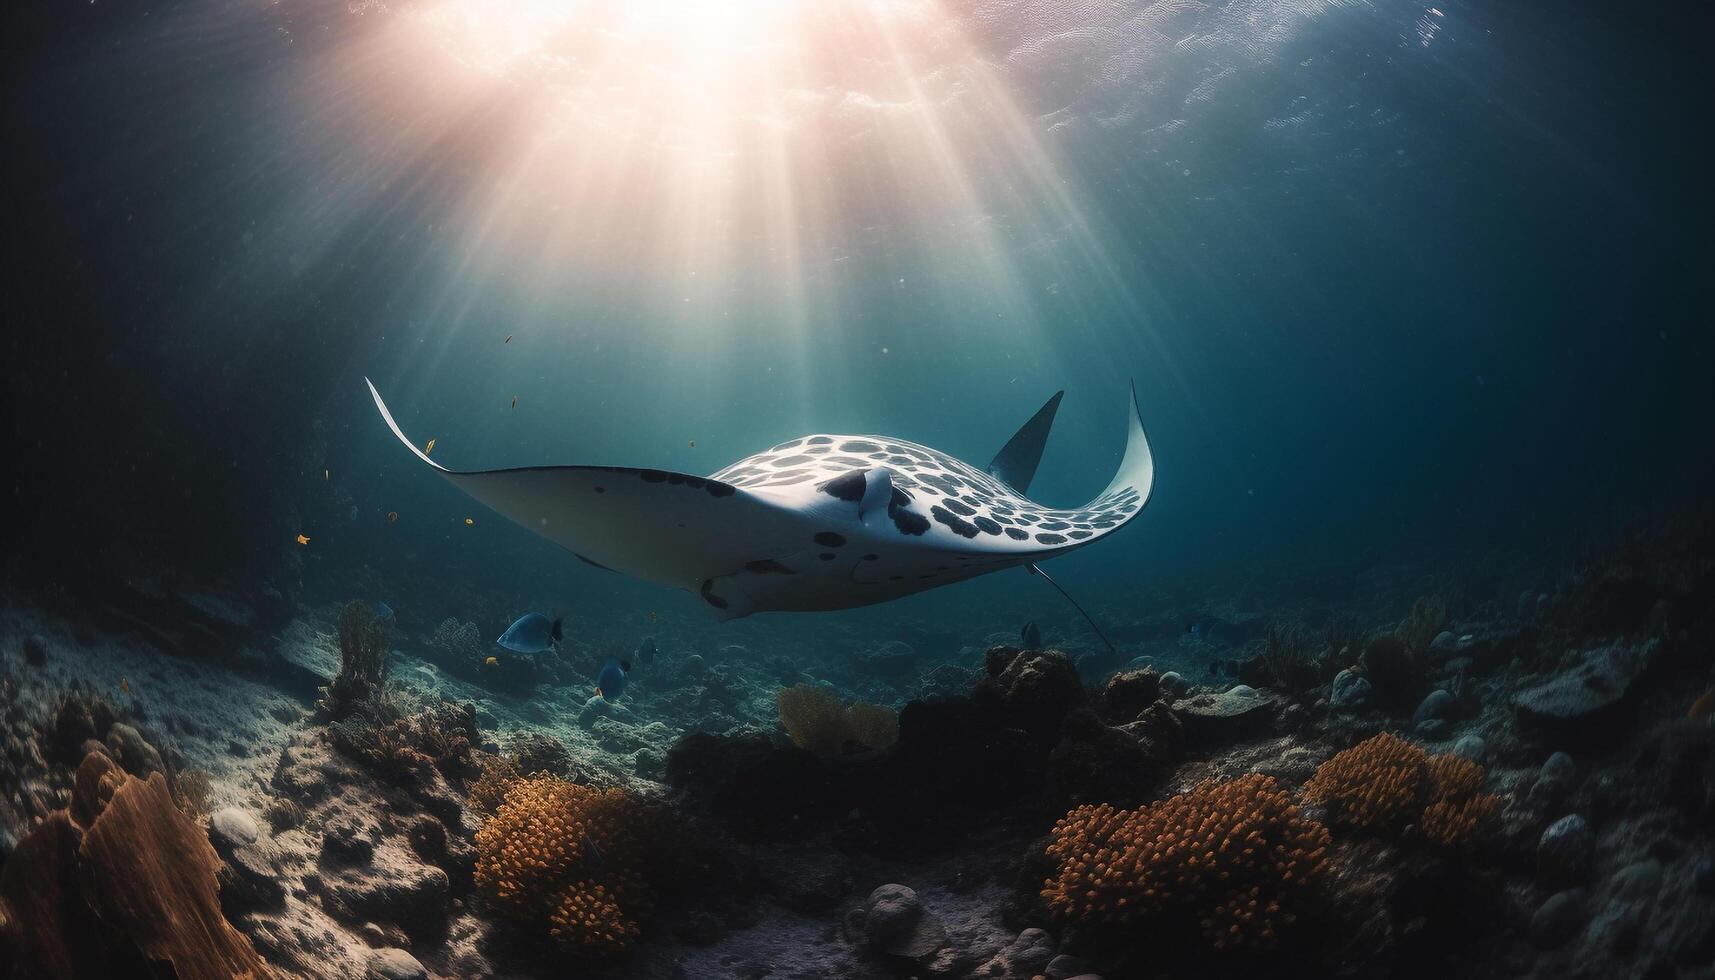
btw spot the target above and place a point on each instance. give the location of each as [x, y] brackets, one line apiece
[816, 523]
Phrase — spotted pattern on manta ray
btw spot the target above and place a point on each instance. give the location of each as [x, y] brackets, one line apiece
[966, 501]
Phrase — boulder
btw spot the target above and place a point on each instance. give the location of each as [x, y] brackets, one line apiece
[1228, 716]
[231, 828]
[894, 921]
[1471, 747]
[1351, 691]
[1557, 920]
[1438, 705]
[1032, 690]
[395, 964]
[1581, 703]
[1566, 851]
[1126, 694]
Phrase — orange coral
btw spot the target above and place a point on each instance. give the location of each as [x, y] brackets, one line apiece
[1233, 854]
[1459, 809]
[1384, 781]
[1374, 784]
[564, 854]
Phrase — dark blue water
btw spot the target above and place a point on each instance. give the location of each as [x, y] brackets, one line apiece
[1393, 283]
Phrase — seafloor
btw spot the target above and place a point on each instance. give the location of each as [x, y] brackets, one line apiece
[200, 781]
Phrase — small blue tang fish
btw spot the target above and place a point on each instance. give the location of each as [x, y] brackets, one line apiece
[610, 683]
[532, 633]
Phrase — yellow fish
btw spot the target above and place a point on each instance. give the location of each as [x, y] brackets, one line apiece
[124, 686]
[514, 401]
[392, 516]
[1702, 706]
[303, 539]
[469, 521]
[508, 339]
[491, 662]
[429, 448]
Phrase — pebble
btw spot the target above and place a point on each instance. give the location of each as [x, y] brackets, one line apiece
[1438, 705]
[1350, 690]
[396, 964]
[1558, 920]
[234, 827]
[1565, 851]
[1471, 747]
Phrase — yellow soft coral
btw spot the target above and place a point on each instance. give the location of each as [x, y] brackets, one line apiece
[815, 720]
[1233, 854]
[565, 855]
[1385, 781]
[1374, 784]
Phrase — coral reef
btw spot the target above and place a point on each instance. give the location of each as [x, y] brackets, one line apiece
[816, 720]
[1231, 858]
[120, 879]
[1383, 782]
[569, 856]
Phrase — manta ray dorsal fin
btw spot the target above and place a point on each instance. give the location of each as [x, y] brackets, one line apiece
[1015, 464]
[877, 491]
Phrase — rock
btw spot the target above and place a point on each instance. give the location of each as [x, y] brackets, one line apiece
[536, 752]
[1030, 689]
[694, 666]
[946, 681]
[1093, 763]
[428, 837]
[1582, 702]
[1444, 640]
[250, 879]
[395, 964]
[392, 889]
[348, 841]
[1351, 690]
[1030, 953]
[231, 828]
[1628, 901]
[1554, 781]
[895, 922]
[701, 929]
[596, 707]
[1127, 694]
[1065, 967]
[133, 751]
[35, 650]
[1433, 729]
[1471, 747]
[1174, 684]
[1226, 717]
[1565, 852]
[1558, 919]
[1439, 704]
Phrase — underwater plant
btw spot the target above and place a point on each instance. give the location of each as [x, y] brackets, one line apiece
[364, 647]
[816, 720]
[1428, 615]
[1385, 781]
[1233, 858]
[567, 857]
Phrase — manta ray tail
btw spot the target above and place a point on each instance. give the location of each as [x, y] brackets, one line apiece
[1037, 570]
[1015, 464]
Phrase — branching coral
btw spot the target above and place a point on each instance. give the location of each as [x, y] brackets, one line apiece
[815, 720]
[569, 857]
[1376, 783]
[1235, 856]
[1384, 781]
[1459, 808]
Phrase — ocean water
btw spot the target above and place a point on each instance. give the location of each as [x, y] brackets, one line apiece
[1415, 300]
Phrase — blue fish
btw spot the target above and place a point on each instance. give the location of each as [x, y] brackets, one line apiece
[381, 609]
[1201, 628]
[610, 683]
[1030, 636]
[646, 651]
[532, 633]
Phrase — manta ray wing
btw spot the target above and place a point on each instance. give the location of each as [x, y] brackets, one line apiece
[669, 528]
